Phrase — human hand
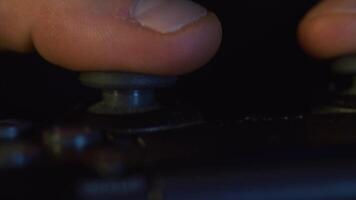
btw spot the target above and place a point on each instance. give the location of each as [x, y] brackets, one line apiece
[167, 37]
[329, 30]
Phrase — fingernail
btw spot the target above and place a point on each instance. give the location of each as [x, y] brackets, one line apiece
[167, 16]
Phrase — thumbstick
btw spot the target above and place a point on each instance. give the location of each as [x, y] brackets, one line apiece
[129, 105]
[346, 67]
[343, 86]
[125, 93]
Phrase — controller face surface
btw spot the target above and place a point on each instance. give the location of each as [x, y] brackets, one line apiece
[78, 160]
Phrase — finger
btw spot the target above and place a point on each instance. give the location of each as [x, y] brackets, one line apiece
[329, 30]
[148, 36]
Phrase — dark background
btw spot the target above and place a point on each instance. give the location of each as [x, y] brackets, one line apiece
[259, 69]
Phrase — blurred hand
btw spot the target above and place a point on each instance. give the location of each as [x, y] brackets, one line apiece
[148, 36]
[329, 30]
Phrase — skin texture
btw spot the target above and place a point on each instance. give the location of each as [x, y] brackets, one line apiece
[329, 30]
[96, 35]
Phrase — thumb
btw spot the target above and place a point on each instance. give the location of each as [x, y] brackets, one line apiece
[146, 36]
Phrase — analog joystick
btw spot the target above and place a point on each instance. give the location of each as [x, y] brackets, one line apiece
[125, 93]
[343, 86]
[129, 104]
